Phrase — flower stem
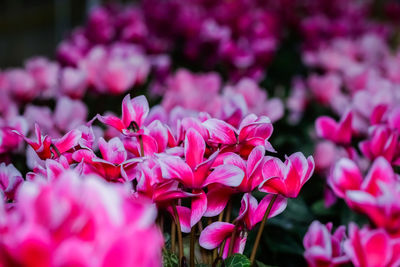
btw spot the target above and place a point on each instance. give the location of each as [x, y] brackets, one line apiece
[229, 211]
[260, 230]
[232, 243]
[192, 237]
[173, 236]
[141, 146]
[178, 225]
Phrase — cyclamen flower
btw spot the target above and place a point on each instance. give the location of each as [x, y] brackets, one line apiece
[340, 133]
[376, 195]
[382, 142]
[197, 173]
[286, 178]
[43, 144]
[372, 247]
[79, 221]
[10, 180]
[134, 113]
[323, 248]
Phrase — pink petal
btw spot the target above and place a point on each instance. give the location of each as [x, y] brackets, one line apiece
[113, 151]
[326, 128]
[160, 133]
[343, 134]
[217, 198]
[220, 131]
[274, 186]
[255, 158]
[228, 175]
[141, 109]
[128, 113]
[277, 208]
[377, 248]
[199, 207]
[68, 141]
[273, 168]
[194, 148]
[214, 234]
[380, 172]
[345, 176]
[175, 168]
[113, 122]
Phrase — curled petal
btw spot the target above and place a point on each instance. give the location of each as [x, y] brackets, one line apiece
[214, 234]
[228, 175]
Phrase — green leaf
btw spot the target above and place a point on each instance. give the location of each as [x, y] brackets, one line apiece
[237, 260]
[170, 259]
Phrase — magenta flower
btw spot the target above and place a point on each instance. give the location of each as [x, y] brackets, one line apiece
[134, 112]
[197, 173]
[382, 142]
[339, 133]
[366, 247]
[43, 144]
[323, 248]
[10, 180]
[109, 166]
[286, 178]
[253, 131]
[79, 221]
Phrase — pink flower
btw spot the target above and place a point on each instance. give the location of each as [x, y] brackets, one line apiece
[196, 173]
[109, 166]
[73, 82]
[43, 144]
[69, 114]
[325, 88]
[286, 178]
[323, 248]
[134, 113]
[10, 180]
[339, 133]
[79, 221]
[382, 142]
[366, 247]
[21, 84]
[45, 74]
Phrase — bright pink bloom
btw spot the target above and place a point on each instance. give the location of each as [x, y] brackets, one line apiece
[69, 114]
[43, 144]
[382, 142]
[134, 112]
[323, 248]
[340, 133]
[79, 221]
[21, 84]
[373, 248]
[10, 180]
[73, 82]
[325, 88]
[286, 178]
[196, 173]
[45, 74]
[109, 166]
[345, 176]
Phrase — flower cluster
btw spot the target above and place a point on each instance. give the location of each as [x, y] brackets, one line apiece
[195, 162]
[81, 221]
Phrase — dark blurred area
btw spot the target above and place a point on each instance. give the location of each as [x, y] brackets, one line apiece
[35, 27]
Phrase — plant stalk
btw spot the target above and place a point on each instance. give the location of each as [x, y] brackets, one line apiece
[178, 225]
[192, 237]
[260, 230]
